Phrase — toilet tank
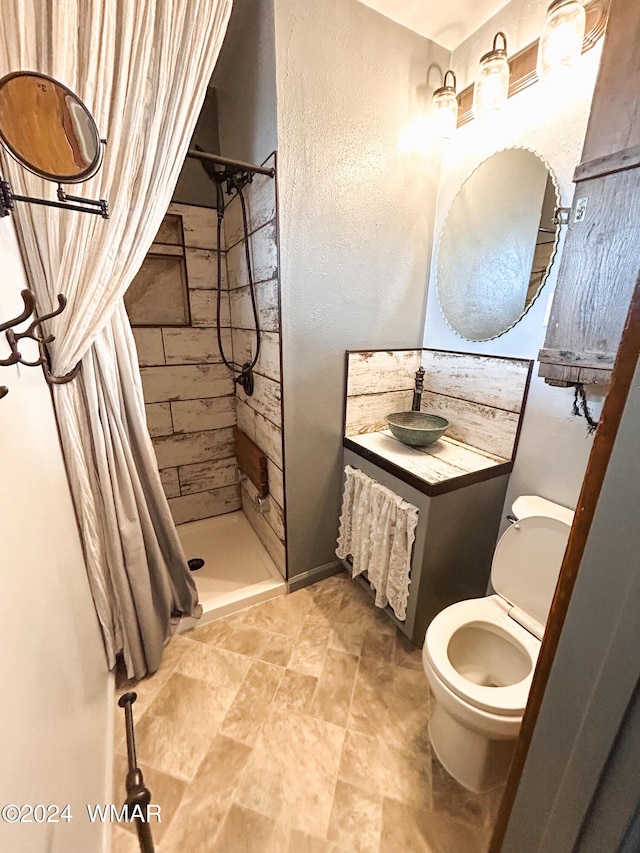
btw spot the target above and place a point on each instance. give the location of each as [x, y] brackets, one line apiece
[528, 505]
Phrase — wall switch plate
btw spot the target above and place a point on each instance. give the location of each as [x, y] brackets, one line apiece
[581, 209]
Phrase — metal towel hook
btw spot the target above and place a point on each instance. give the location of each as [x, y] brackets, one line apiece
[34, 332]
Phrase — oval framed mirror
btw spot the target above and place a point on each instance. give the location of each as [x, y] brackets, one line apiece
[497, 244]
[47, 128]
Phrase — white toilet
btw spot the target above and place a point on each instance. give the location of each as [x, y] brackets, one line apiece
[479, 655]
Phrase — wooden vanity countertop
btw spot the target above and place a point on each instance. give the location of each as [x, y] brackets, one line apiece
[441, 467]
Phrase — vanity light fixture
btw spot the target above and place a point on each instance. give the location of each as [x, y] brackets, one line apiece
[445, 108]
[523, 64]
[492, 86]
[562, 37]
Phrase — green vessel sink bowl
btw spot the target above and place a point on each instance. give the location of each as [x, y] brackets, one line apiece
[418, 429]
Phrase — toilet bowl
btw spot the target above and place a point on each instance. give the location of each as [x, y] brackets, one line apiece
[479, 655]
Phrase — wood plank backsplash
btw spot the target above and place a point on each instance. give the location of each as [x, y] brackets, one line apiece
[481, 396]
[484, 427]
[367, 412]
[490, 381]
[376, 372]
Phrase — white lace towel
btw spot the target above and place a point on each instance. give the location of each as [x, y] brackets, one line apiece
[377, 529]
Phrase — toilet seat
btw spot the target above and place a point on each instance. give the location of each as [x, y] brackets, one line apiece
[479, 655]
[526, 564]
[485, 614]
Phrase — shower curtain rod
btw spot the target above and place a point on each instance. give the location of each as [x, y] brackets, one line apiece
[234, 164]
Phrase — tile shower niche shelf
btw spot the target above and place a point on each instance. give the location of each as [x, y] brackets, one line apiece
[158, 295]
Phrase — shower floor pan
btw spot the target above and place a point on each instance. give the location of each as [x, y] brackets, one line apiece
[237, 571]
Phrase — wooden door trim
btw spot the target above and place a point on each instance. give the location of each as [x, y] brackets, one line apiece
[621, 378]
[619, 161]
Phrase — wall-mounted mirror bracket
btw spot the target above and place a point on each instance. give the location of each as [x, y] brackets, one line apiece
[65, 202]
[561, 215]
[49, 131]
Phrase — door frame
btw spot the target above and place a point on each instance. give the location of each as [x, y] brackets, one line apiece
[621, 378]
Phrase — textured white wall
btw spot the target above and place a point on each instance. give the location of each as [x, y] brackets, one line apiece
[57, 696]
[446, 23]
[245, 82]
[356, 224]
[554, 449]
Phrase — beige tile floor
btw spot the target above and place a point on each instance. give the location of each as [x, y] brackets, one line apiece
[297, 726]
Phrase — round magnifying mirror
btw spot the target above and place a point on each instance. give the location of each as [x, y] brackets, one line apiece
[47, 128]
[497, 244]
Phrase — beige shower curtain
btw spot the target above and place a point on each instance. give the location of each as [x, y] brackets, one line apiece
[142, 68]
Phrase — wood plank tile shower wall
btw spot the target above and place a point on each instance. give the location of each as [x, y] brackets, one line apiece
[189, 393]
[259, 416]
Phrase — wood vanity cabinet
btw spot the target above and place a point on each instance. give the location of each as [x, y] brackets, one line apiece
[601, 257]
[455, 540]
[459, 483]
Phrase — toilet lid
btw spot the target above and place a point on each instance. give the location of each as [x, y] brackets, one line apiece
[527, 562]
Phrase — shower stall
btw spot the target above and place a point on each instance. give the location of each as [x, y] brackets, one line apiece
[205, 312]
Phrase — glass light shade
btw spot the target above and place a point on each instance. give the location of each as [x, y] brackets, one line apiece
[445, 109]
[561, 38]
[491, 88]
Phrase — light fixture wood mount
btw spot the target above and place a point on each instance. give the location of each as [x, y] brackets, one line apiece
[522, 65]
